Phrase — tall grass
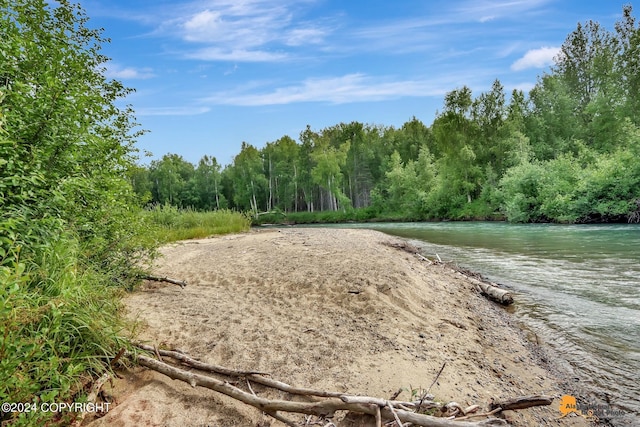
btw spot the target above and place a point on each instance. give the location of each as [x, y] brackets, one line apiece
[59, 326]
[169, 224]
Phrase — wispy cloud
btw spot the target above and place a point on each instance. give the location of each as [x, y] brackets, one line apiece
[116, 71]
[490, 10]
[219, 54]
[243, 30]
[172, 111]
[398, 36]
[536, 58]
[305, 35]
[335, 90]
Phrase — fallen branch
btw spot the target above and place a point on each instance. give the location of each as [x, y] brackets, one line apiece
[257, 377]
[325, 408]
[92, 396]
[180, 283]
[521, 403]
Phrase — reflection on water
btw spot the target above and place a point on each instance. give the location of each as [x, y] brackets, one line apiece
[577, 286]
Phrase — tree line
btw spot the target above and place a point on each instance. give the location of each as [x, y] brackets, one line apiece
[565, 152]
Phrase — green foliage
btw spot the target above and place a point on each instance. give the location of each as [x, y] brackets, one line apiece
[70, 224]
[519, 192]
[321, 217]
[583, 188]
[559, 154]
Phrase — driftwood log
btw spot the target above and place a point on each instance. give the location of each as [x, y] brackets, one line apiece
[521, 403]
[325, 408]
[491, 290]
[322, 403]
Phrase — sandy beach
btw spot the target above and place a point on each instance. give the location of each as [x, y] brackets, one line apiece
[333, 309]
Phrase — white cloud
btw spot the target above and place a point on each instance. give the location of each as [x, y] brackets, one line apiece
[115, 71]
[536, 58]
[337, 90]
[244, 30]
[202, 25]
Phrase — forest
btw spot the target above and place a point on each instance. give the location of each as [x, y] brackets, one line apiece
[565, 152]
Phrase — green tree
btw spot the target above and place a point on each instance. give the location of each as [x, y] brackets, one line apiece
[327, 174]
[207, 184]
[67, 147]
[249, 180]
[281, 159]
[519, 192]
[552, 124]
[170, 177]
[308, 139]
[407, 185]
[140, 180]
[456, 139]
[628, 63]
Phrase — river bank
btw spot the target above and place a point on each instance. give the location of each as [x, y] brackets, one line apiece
[333, 309]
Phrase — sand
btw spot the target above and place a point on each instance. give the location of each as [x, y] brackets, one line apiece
[334, 309]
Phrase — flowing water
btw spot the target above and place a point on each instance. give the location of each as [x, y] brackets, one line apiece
[576, 286]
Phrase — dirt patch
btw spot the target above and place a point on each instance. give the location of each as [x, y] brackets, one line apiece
[335, 309]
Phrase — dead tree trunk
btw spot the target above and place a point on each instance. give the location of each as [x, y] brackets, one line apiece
[386, 410]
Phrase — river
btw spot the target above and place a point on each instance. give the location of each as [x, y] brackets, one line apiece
[577, 288]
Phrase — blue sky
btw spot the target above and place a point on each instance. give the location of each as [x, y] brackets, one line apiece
[210, 74]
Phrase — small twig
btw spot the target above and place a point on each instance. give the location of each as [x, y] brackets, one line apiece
[434, 381]
[438, 256]
[425, 259]
[483, 414]
[250, 389]
[378, 416]
[118, 356]
[395, 395]
[455, 407]
[393, 411]
[92, 396]
[155, 349]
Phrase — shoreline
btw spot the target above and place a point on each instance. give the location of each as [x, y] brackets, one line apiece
[335, 309]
